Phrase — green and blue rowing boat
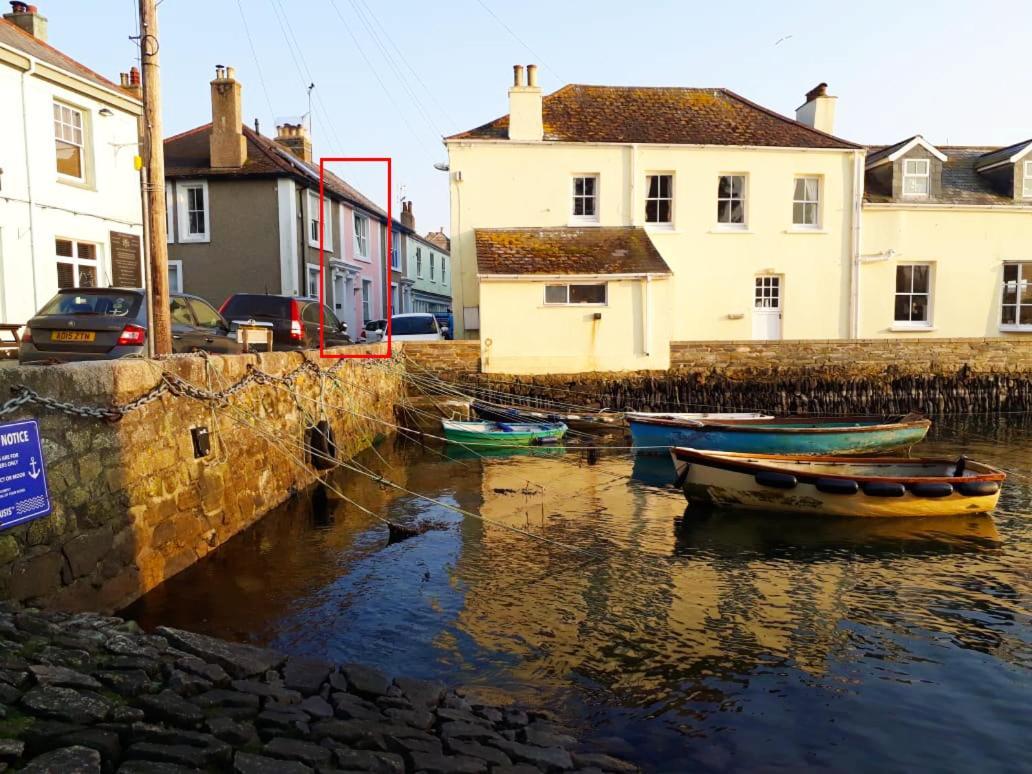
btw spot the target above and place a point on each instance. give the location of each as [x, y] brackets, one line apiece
[502, 433]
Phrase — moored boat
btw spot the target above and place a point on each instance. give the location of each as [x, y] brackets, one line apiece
[502, 433]
[584, 421]
[838, 486]
[779, 435]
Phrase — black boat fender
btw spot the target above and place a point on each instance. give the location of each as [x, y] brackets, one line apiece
[884, 489]
[837, 486]
[322, 446]
[932, 489]
[776, 480]
[978, 488]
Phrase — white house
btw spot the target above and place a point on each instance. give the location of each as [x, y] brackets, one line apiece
[69, 188]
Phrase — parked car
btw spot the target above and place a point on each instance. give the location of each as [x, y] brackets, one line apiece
[109, 323]
[415, 326]
[294, 321]
[374, 330]
[446, 324]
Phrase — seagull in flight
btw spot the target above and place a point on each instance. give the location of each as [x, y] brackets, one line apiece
[782, 40]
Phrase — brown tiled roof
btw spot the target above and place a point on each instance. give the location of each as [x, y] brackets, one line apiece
[961, 182]
[550, 251]
[14, 36]
[189, 155]
[663, 115]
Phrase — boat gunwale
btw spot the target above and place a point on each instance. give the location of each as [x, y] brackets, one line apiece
[739, 462]
[758, 426]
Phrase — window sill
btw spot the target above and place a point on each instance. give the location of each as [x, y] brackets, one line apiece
[659, 226]
[85, 185]
[904, 328]
[730, 230]
[574, 223]
[195, 239]
[806, 230]
[1016, 328]
[573, 306]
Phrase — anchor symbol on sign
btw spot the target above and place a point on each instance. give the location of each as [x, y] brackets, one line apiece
[33, 471]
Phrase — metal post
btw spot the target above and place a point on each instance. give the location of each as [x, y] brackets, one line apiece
[154, 162]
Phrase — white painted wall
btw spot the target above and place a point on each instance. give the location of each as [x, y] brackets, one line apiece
[36, 207]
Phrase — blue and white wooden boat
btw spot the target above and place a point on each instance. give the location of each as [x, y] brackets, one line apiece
[801, 435]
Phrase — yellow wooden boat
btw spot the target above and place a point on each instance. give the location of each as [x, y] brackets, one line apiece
[838, 486]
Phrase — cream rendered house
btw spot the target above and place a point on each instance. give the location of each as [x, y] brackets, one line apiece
[753, 218]
[947, 241]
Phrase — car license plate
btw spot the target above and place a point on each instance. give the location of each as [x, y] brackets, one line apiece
[72, 335]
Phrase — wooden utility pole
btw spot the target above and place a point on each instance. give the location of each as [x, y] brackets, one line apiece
[154, 164]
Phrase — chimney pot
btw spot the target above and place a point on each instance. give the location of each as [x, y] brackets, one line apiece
[134, 76]
[227, 146]
[517, 76]
[294, 137]
[532, 75]
[27, 17]
[818, 111]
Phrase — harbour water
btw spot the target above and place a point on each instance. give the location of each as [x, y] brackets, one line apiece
[683, 642]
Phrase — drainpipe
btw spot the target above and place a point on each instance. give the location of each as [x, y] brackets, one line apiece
[634, 184]
[647, 284]
[854, 283]
[28, 187]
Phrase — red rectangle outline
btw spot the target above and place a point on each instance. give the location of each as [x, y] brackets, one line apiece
[322, 255]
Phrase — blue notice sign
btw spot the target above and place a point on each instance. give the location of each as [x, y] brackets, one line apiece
[23, 482]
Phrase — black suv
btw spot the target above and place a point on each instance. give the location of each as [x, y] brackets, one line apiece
[294, 321]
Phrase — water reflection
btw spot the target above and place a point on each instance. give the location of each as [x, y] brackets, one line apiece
[687, 640]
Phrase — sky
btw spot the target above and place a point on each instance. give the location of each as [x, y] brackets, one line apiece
[392, 78]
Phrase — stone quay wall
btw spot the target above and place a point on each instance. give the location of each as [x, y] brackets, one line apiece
[93, 694]
[937, 376]
[132, 505]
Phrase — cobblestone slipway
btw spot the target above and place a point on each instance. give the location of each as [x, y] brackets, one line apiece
[89, 693]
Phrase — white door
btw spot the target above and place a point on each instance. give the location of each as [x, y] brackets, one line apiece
[767, 308]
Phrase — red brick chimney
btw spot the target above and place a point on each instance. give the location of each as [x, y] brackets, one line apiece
[131, 82]
[408, 220]
[27, 17]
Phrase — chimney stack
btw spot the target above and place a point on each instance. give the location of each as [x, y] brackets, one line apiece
[227, 144]
[818, 110]
[27, 17]
[294, 137]
[408, 220]
[131, 82]
[525, 122]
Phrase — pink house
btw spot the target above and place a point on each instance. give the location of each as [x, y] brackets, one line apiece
[354, 271]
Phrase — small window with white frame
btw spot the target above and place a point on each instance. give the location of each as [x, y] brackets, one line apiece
[432, 266]
[444, 270]
[419, 262]
[916, 174]
[806, 202]
[170, 207]
[312, 280]
[1026, 181]
[70, 142]
[585, 199]
[328, 220]
[593, 294]
[731, 201]
[1016, 311]
[913, 307]
[194, 211]
[314, 218]
[659, 199]
[361, 237]
[77, 265]
[175, 276]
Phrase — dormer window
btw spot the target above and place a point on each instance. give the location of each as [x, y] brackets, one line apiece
[1026, 181]
[915, 177]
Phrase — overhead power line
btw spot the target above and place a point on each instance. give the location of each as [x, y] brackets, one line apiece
[519, 40]
[257, 62]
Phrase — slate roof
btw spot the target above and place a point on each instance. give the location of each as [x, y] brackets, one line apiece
[988, 159]
[961, 182]
[14, 36]
[874, 156]
[550, 251]
[662, 115]
[189, 155]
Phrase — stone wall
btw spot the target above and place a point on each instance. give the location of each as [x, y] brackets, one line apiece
[131, 504]
[444, 357]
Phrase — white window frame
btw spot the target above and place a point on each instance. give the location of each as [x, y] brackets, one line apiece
[926, 176]
[314, 219]
[328, 228]
[395, 250]
[311, 270]
[178, 266]
[431, 265]
[918, 324]
[567, 302]
[77, 263]
[170, 209]
[82, 145]
[744, 199]
[574, 196]
[182, 207]
[816, 203]
[367, 300]
[659, 223]
[444, 269]
[1023, 281]
[419, 262]
[1026, 181]
[361, 226]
